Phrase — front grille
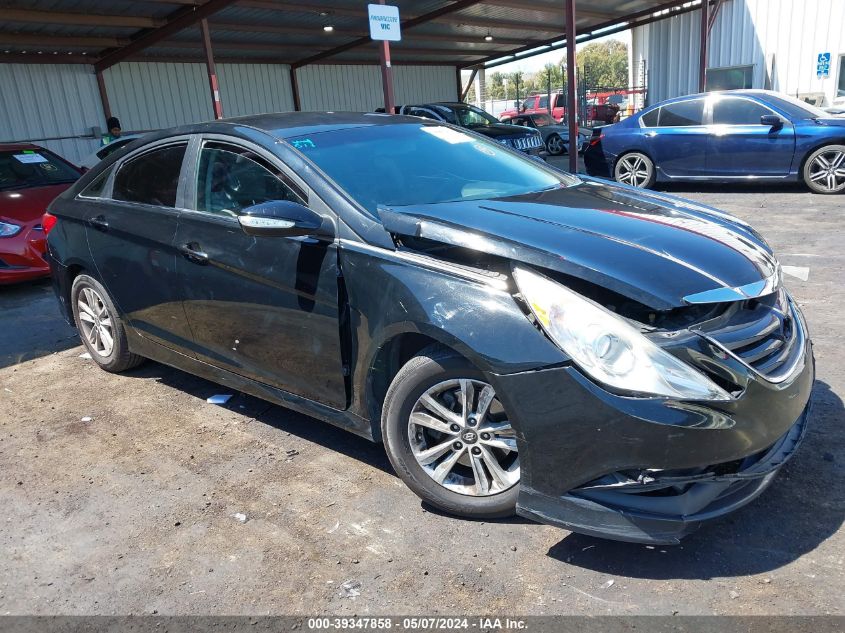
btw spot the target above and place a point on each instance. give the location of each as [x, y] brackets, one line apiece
[526, 143]
[763, 333]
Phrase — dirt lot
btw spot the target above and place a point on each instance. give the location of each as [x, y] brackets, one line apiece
[133, 511]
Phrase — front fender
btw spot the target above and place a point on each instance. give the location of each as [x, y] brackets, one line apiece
[390, 294]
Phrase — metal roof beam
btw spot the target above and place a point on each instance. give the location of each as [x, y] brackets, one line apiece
[534, 7]
[175, 22]
[289, 48]
[624, 23]
[406, 24]
[86, 19]
[52, 41]
[468, 38]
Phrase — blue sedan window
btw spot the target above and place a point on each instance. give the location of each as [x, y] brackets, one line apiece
[682, 113]
[649, 119]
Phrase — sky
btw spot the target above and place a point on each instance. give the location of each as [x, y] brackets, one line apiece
[533, 64]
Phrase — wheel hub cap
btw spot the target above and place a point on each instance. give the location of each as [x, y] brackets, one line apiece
[461, 437]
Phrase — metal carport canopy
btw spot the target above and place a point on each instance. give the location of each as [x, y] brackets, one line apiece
[460, 33]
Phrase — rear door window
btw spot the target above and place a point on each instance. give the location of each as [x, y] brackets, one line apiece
[733, 111]
[682, 114]
[151, 178]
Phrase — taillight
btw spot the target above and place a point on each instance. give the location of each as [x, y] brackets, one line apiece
[48, 222]
[596, 139]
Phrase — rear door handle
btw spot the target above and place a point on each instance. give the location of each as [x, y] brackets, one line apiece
[194, 253]
[99, 223]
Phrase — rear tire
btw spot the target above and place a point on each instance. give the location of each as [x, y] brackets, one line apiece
[101, 329]
[471, 485]
[824, 170]
[635, 169]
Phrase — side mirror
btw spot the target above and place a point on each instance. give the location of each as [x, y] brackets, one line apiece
[279, 218]
[771, 120]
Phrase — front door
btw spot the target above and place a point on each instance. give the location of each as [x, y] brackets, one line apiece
[678, 143]
[739, 145]
[262, 307]
[130, 227]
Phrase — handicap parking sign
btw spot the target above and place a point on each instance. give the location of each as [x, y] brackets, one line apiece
[823, 65]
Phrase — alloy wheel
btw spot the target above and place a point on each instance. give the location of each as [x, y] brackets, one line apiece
[555, 145]
[827, 170]
[634, 169]
[96, 322]
[461, 437]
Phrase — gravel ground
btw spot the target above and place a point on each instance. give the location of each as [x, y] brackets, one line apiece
[120, 494]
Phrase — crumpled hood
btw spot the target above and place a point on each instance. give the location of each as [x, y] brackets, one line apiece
[652, 248]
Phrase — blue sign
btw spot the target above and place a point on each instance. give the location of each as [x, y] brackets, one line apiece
[823, 66]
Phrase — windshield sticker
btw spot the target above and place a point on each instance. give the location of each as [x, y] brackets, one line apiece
[484, 149]
[303, 143]
[447, 134]
[29, 158]
[48, 166]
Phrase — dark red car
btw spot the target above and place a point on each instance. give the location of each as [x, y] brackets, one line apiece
[30, 177]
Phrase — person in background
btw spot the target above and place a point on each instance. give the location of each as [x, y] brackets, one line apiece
[113, 125]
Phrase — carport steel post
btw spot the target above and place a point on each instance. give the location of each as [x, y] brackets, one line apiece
[386, 74]
[572, 121]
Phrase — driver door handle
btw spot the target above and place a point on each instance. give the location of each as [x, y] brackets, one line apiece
[194, 253]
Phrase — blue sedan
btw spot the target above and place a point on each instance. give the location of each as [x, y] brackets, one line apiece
[723, 137]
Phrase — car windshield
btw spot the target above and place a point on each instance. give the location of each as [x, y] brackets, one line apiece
[410, 163]
[466, 115]
[21, 169]
[542, 120]
[798, 109]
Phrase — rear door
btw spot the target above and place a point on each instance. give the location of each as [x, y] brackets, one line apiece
[130, 229]
[739, 145]
[265, 308]
[679, 142]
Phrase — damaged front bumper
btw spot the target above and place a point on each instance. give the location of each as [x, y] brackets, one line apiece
[645, 470]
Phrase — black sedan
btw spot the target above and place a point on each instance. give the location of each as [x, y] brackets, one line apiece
[467, 116]
[555, 136]
[520, 339]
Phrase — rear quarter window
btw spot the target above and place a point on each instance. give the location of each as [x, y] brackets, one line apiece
[649, 119]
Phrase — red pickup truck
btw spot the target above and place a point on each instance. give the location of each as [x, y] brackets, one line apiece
[539, 104]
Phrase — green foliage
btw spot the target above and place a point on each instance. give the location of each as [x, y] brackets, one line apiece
[604, 64]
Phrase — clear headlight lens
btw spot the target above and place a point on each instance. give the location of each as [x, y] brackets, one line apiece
[607, 348]
[8, 230]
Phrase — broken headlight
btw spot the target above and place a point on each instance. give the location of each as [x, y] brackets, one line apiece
[608, 348]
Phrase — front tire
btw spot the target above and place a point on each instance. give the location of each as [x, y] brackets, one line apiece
[824, 170]
[449, 438]
[555, 145]
[101, 329]
[635, 169]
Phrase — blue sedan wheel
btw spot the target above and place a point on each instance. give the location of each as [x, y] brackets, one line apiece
[635, 169]
[824, 170]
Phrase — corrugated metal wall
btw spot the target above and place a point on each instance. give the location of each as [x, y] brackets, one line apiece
[780, 38]
[254, 88]
[41, 100]
[358, 88]
[150, 96]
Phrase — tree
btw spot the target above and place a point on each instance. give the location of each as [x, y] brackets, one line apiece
[496, 86]
[604, 64]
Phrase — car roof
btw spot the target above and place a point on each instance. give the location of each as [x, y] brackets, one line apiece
[16, 147]
[290, 124]
[755, 92]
